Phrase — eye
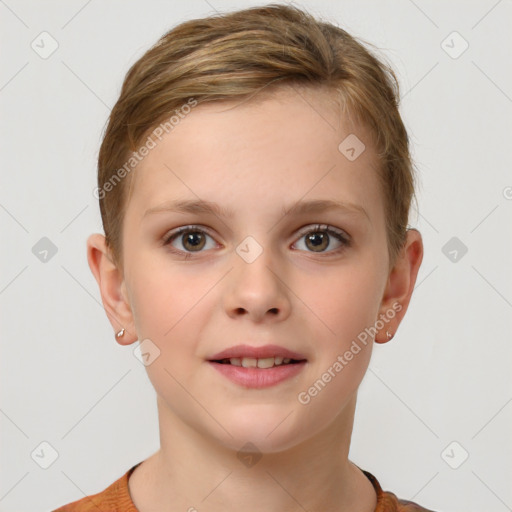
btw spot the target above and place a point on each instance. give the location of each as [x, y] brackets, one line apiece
[189, 239]
[323, 237]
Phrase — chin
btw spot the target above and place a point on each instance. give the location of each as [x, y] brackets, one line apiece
[270, 428]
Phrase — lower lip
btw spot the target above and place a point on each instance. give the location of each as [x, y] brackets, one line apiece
[258, 377]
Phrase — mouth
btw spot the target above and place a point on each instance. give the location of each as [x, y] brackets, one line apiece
[263, 363]
[261, 373]
[250, 356]
[258, 367]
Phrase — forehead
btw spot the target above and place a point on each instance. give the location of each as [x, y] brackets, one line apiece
[287, 144]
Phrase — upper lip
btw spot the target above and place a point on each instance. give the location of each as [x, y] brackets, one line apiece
[263, 352]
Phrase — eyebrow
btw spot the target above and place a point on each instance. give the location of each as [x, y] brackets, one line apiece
[299, 208]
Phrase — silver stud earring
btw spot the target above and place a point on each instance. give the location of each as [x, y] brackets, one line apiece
[120, 334]
[389, 335]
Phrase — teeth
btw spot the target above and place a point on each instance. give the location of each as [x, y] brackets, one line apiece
[250, 362]
[266, 363]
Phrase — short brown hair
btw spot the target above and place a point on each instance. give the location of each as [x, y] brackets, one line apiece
[233, 56]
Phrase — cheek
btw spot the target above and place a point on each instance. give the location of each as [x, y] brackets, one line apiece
[166, 298]
[342, 303]
[346, 308]
[329, 391]
[170, 309]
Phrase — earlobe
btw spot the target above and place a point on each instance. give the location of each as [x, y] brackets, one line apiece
[388, 337]
[111, 284]
[400, 286]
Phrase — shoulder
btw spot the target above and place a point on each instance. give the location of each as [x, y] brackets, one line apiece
[389, 502]
[115, 498]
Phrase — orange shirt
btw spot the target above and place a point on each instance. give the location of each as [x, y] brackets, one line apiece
[116, 498]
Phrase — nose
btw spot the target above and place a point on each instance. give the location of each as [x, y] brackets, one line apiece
[257, 290]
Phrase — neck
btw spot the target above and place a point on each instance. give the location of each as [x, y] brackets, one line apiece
[192, 471]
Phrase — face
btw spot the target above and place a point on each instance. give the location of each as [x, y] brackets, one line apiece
[245, 272]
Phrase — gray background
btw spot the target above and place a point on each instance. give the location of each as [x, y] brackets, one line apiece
[446, 375]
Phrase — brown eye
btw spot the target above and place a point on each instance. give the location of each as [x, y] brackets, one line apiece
[193, 240]
[317, 241]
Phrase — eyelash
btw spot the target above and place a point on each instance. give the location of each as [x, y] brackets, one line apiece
[340, 236]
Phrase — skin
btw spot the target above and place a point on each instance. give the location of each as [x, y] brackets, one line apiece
[255, 158]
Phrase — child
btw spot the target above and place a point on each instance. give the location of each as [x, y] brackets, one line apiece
[254, 184]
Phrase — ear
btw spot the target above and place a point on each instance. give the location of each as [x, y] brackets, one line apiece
[400, 285]
[112, 288]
